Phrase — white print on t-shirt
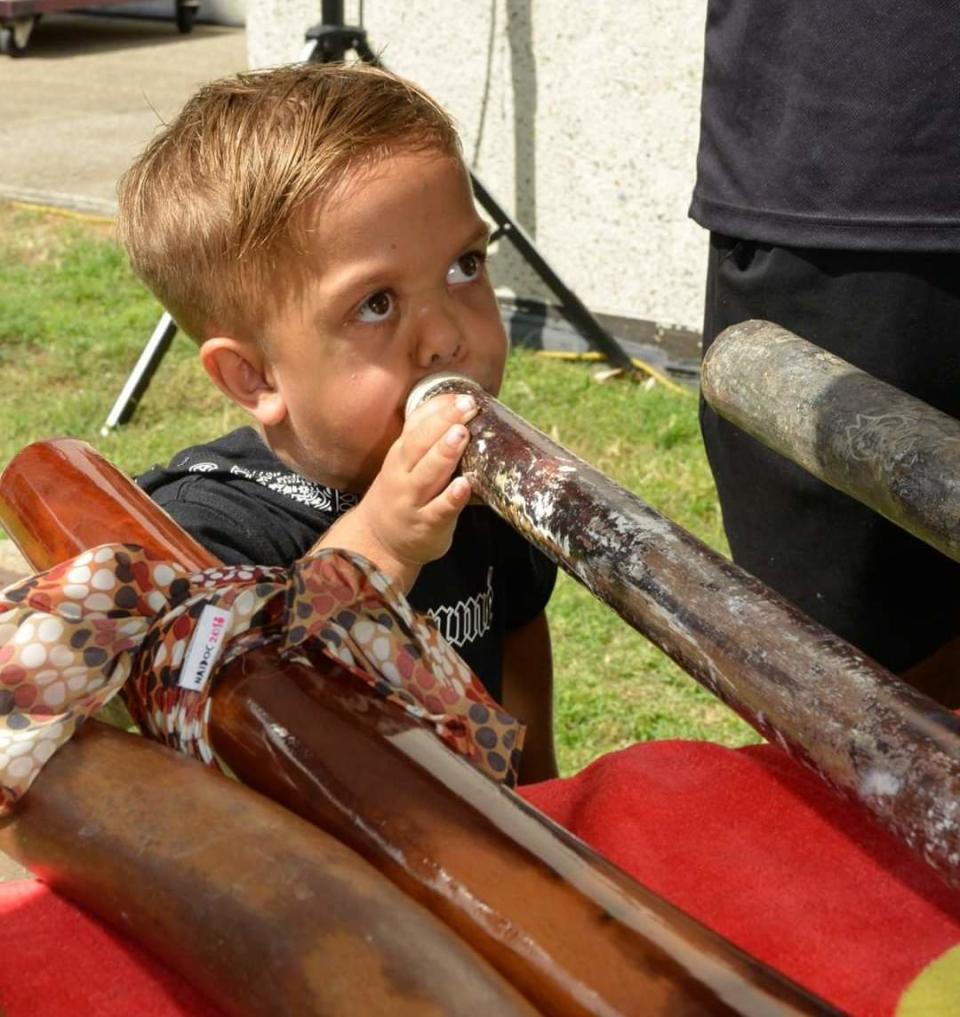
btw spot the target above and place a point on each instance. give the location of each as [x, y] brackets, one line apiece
[467, 620]
[297, 488]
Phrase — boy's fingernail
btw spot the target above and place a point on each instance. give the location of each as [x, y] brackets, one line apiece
[456, 435]
[465, 402]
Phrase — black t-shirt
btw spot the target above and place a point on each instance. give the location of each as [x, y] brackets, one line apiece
[832, 123]
[245, 506]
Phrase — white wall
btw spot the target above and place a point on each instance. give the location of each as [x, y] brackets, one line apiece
[581, 118]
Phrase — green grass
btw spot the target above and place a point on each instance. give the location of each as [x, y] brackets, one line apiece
[73, 321]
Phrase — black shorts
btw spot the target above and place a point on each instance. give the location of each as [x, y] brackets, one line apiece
[897, 316]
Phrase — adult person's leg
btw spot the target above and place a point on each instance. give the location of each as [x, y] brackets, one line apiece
[896, 316]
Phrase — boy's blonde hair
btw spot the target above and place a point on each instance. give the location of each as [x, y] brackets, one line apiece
[212, 213]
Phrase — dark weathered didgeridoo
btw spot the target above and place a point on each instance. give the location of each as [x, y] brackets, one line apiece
[862, 436]
[259, 909]
[864, 731]
[570, 931]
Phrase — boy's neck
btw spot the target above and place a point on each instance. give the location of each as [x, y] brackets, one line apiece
[280, 446]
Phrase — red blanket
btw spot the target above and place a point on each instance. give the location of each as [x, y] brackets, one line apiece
[58, 961]
[759, 849]
[744, 840]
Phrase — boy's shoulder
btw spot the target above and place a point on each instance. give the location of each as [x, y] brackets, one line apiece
[239, 447]
[241, 457]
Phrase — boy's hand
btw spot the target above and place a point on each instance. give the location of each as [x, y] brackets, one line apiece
[408, 515]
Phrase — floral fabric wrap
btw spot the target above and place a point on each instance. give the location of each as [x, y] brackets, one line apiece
[71, 637]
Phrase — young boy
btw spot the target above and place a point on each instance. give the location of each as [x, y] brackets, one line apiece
[313, 229]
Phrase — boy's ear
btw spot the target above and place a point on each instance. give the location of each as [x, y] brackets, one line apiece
[242, 373]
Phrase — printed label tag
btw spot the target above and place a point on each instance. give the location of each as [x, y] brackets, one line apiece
[206, 644]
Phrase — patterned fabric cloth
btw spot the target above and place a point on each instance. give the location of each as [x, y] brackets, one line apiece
[72, 637]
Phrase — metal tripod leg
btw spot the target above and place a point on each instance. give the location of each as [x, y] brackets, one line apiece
[139, 378]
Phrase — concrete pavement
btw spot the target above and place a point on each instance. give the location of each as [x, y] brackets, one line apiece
[89, 94]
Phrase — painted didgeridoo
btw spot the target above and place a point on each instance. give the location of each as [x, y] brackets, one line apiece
[856, 433]
[865, 732]
[255, 907]
[573, 933]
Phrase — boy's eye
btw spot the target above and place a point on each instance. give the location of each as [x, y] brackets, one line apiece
[377, 307]
[466, 267]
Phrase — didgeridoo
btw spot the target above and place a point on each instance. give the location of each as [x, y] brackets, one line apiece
[861, 435]
[261, 911]
[865, 732]
[573, 933]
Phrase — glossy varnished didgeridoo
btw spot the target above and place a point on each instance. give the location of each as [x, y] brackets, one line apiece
[571, 932]
[260, 910]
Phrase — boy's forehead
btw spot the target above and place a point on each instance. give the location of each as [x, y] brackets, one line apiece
[398, 191]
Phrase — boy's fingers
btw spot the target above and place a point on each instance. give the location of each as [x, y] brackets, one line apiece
[429, 424]
[451, 500]
[431, 473]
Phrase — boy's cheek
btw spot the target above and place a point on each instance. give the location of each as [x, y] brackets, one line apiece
[497, 381]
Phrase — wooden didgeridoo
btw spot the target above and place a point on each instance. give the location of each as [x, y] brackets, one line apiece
[255, 907]
[572, 932]
[865, 732]
[864, 437]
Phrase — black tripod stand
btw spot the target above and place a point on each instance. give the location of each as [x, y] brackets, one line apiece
[329, 42]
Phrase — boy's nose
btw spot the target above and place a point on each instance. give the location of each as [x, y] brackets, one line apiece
[440, 338]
